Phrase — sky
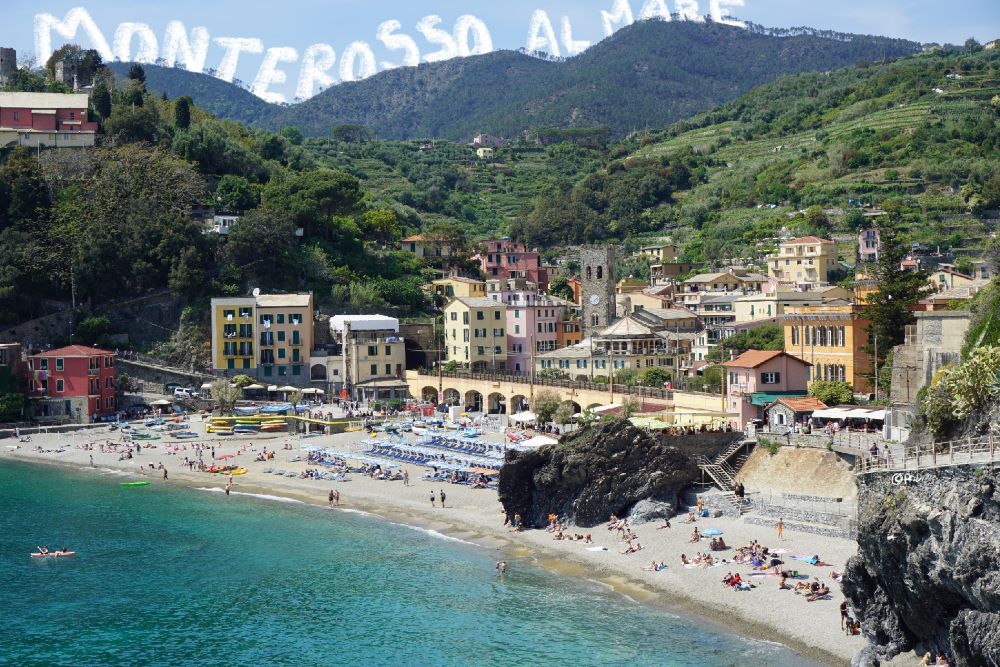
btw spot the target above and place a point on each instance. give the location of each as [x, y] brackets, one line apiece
[277, 63]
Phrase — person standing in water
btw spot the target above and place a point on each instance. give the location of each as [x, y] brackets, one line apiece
[330, 498]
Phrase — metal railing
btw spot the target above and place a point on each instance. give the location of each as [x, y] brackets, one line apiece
[965, 451]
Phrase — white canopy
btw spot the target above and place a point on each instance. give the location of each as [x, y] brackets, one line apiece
[287, 387]
[207, 385]
[877, 414]
[606, 408]
[537, 441]
[310, 390]
[830, 413]
[160, 403]
[523, 417]
[272, 387]
[861, 413]
[254, 386]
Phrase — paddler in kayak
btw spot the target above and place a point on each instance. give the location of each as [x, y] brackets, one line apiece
[42, 550]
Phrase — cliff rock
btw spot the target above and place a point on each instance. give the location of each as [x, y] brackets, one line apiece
[927, 572]
[601, 471]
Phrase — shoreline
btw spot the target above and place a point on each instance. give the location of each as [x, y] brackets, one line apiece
[474, 518]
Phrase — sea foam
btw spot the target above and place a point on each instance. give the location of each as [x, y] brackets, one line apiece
[262, 496]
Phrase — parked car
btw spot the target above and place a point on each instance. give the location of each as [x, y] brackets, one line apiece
[186, 392]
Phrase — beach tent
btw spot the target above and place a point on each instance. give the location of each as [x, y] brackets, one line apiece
[523, 417]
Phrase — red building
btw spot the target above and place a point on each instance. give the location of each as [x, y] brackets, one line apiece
[506, 259]
[74, 383]
[45, 119]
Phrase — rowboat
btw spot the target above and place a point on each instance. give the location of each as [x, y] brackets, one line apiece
[52, 554]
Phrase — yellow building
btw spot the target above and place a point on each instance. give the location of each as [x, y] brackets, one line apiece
[475, 332]
[485, 153]
[661, 252]
[767, 305]
[268, 337]
[833, 339]
[457, 286]
[803, 261]
[285, 322]
[233, 345]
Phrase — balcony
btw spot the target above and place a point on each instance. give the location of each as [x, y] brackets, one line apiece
[93, 372]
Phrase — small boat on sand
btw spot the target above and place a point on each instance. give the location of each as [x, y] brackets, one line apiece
[52, 554]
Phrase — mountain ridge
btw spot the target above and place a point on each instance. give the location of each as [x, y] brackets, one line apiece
[649, 74]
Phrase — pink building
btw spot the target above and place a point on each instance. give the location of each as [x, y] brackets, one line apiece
[868, 245]
[45, 119]
[757, 378]
[73, 383]
[508, 259]
[533, 320]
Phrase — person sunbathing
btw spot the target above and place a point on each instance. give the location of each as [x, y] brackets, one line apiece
[722, 545]
[691, 518]
[652, 567]
[666, 524]
[695, 535]
[820, 592]
[684, 559]
[588, 539]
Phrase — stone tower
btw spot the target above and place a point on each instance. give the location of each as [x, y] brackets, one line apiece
[597, 287]
[8, 65]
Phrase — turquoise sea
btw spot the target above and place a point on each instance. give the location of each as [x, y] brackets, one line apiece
[175, 576]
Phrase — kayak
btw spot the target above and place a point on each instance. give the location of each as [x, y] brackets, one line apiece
[239, 471]
[52, 554]
[135, 483]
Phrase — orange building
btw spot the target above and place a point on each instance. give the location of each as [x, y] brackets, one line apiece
[833, 339]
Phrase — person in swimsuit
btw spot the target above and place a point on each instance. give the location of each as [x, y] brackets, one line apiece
[433, 499]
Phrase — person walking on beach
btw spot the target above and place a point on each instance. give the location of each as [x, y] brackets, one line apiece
[330, 498]
[164, 473]
[780, 526]
[442, 497]
[213, 452]
[336, 498]
[91, 460]
[406, 477]
[229, 486]
[432, 498]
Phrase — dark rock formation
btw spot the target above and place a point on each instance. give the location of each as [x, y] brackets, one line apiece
[600, 471]
[927, 573]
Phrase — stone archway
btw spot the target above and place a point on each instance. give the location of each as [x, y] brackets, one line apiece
[473, 401]
[452, 397]
[496, 404]
[317, 373]
[574, 405]
[517, 403]
[429, 394]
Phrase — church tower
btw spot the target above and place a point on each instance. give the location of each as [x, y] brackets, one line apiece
[597, 287]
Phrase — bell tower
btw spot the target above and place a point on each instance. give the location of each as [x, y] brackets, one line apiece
[597, 287]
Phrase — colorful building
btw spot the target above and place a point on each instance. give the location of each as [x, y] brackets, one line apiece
[268, 337]
[505, 259]
[757, 378]
[45, 120]
[868, 245]
[533, 320]
[457, 286]
[833, 339]
[476, 333]
[72, 384]
[804, 261]
[368, 358]
[424, 247]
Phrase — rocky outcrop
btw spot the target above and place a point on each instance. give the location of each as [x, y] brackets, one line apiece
[927, 573]
[603, 470]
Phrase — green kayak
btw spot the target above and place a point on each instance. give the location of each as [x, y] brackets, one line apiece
[135, 483]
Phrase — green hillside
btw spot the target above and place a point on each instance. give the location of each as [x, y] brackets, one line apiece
[647, 75]
[213, 95]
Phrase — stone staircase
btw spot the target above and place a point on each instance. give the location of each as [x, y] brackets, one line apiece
[723, 470]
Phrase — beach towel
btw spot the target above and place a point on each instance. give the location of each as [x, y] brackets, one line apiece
[711, 532]
[812, 560]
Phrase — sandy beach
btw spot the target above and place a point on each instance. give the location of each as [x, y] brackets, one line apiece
[475, 516]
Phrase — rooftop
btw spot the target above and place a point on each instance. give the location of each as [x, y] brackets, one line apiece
[45, 100]
[755, 358]
[478, 302]
[806, 240]
[457, 279]
[74, 351]
[626, 327]
[803, 404]
[284, 300]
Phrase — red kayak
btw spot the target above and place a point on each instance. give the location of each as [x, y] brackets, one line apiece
[52, 554]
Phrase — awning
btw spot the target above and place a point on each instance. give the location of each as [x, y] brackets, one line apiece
[310, 390]
[381, 384]
[272, 387]
[523, 417]
[537, 441]
[288, 387]
[610, 407]
[764, 399]
[650, 423]
[831, 413]
[861, 413]
[878, 415]
[257, 386]
[160, 403]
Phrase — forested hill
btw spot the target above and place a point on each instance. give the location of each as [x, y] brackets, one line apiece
[217, 97]
[647, 75]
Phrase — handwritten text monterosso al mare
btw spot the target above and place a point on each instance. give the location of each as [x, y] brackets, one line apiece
[468, 36]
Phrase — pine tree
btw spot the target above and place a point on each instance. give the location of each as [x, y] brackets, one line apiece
[182, 112]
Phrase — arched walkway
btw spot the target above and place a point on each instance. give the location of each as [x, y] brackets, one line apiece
[496, 404]
[452, 397]
[429, 394]
[517, 403]
[473, 401]
[317, 372]
[574, 405]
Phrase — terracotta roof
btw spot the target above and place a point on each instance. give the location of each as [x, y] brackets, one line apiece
[754, 358]
[74, 351]
[415, 237]
[807, 239]
[806, 404]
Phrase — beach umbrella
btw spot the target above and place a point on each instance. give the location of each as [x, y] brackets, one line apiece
[254, 386]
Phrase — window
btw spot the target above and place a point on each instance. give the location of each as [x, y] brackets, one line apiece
[60, 385]
[229, 330]
[454, 316]
[267, 320]
[388, 350]
[281, 336]
[372, 350]
[230, 364]
[282, 371]
[246, 312]
[465, 317]
[281, 353]
[374, 369]
[496, 314]
[795, 335]
[59, 363]
[388, 369]
[229, 314]
[770, 378]
[600, 272]
[281, 318]
[295, 338]
[246, 363]
[246, 331]
[517, 328]
[480, 315]
[295, 318]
